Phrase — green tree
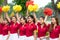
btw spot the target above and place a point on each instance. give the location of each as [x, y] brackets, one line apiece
[1, 2]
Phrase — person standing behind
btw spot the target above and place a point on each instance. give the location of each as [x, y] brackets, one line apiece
[54, 29]
[13, 27]
[22, 28]
[5, 30]
[31, 27]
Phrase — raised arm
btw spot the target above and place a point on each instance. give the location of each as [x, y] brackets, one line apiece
[35, 17]
[1, 18]
[8, 35]
[7, 17]
[27, 13]
[17, 16]
[45, 20]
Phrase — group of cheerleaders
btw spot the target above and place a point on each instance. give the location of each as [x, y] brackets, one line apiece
[28, 28]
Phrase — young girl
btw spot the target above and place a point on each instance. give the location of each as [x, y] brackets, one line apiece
[54, 29]
[13, 27]
[22, 29]
[42, 29]
[31, 27]
[5, 30]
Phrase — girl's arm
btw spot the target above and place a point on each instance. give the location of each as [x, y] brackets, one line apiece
[7, 17]
[18, 33]
[17, 16]
[35, 17]
[27, 14]
[45, 20]
[8, 35]
[59, 37]
[35, 35]
[1, 18]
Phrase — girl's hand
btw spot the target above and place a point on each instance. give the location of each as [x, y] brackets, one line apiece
[6, 39]
[41, 38]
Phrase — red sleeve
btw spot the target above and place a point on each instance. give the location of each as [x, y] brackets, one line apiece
[48, 26]
[11, 22]
[2, 24]
[19, 25]
[8, 28]
[38, 24]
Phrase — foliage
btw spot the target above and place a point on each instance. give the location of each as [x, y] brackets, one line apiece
[39, 13]
[1, 2]
[49, 5]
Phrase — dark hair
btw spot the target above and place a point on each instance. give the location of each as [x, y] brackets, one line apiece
[13, 16]
[42, 17]
[32, 18]
[6, 19]
[52, 25]
[24, 18]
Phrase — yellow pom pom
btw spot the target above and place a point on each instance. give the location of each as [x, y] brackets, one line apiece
[58, 5]
[17, 8]
[30, 8]
[6, 8]
[35, 7]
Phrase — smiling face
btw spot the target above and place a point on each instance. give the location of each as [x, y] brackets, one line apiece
[53, 20]
[41, 20]
[22, 21]
[14, 19]
[30, 19]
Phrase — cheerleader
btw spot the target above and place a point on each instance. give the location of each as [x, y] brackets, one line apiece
[31, 27]
[42, 29]
[5, 30]
[22, 29]
[13, 27]
[54, 29]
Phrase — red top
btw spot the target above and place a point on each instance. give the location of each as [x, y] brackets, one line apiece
[14, 27]
[30, 29]
[42, 31]
[55, 32]
[1, 28]
[22, 29]
[5, 29]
